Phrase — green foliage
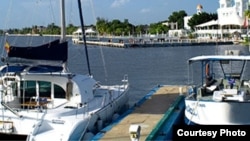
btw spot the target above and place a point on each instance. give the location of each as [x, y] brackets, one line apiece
[51, 29]
[121, 28]
[201, 18]
[178, 17]
[158, 28]
[247, 13]
[70, 29]
[191, 36]
[115, 27]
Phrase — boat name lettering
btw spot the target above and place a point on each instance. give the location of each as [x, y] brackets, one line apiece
[58, 121]
[191, 110]
[198, 105]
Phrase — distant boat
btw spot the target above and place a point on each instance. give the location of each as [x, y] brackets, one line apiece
[223, 95]
[42, 100]
[90, 33]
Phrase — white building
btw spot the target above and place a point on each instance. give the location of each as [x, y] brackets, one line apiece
[229, 24]
[91, 34]
[199, 9]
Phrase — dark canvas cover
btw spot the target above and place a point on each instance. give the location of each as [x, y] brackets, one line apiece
[53, 51]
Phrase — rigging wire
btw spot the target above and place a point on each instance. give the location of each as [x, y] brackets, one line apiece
[71, 13]
[93, 11]
[31, 37]
[102, 54]
[52, 16]
[6, 21]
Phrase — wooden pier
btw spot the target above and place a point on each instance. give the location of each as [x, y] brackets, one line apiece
[158, 44]
[109, 44]
[146, 114]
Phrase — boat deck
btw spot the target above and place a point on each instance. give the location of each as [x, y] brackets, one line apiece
[146, 115]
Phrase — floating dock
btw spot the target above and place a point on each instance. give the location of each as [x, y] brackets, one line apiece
[155, 112]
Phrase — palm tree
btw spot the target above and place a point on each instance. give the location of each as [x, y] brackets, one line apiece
[247, 16]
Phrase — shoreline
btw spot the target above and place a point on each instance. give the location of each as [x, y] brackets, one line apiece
[134, 42]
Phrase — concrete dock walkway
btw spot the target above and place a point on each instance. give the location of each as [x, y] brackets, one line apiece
[146, 115]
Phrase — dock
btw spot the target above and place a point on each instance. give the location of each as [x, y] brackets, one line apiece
[109, 44]
[158, 44]
[150, 113]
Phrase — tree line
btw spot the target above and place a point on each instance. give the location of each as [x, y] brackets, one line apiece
[122, 28]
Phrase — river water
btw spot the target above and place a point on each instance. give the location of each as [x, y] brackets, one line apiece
[145, 67]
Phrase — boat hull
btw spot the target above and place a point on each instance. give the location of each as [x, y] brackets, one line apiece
[81, 124]
[217, 113]
[105, 115]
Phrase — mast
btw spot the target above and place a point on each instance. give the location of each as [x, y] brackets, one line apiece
[83, 34]
[63, 32]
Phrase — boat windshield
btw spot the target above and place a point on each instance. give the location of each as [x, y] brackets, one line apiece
[232, 69]
[30, 94]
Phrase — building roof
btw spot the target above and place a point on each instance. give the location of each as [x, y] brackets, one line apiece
[89, 30]
[235, 20]
[213, 22]
[199, 6]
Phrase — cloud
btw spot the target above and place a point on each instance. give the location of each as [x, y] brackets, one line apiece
[145, 10]
[118, 3]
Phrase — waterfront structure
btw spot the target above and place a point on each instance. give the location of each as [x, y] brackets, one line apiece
[230, 22]
[90, 33]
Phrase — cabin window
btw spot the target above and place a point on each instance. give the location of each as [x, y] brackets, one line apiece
[44, 89]
[59, 92]
[28, 89]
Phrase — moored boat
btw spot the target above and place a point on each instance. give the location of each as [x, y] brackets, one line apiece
[222, 97]
[42, 100]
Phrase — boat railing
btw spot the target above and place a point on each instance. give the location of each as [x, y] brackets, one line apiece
[40, 102]
[11, 109]
[125, 80]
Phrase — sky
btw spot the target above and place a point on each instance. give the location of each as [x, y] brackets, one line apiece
[25, 13]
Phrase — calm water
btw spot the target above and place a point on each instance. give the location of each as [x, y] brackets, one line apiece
[146, 67]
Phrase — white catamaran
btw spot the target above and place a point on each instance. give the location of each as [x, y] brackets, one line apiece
[42, 100]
